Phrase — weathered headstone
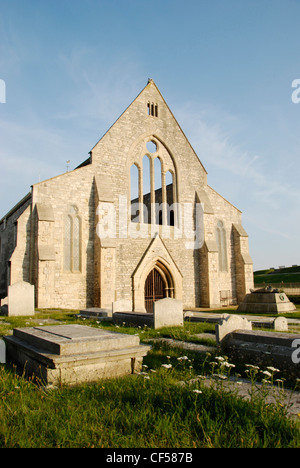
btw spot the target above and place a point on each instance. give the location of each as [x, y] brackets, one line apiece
[280, 324]
[168, 313]
[229, 324]
[20, 300]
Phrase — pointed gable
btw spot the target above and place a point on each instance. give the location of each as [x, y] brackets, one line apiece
[149, 115]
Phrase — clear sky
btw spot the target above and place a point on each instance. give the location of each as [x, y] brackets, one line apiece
[225, 68]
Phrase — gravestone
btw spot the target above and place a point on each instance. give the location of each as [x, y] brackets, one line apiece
[230, 324]
[280, 324]
[74, 354]
[20, 300]
[168, 313]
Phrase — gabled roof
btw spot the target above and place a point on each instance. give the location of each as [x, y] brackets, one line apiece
[149, 83]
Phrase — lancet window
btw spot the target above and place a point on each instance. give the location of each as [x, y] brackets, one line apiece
[72, 241]
[153, 190]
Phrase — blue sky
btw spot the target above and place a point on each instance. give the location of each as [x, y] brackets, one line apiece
[225, 68]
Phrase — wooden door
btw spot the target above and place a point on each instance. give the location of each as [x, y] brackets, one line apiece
[154, 289]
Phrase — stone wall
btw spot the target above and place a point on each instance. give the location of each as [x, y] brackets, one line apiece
[15, 246]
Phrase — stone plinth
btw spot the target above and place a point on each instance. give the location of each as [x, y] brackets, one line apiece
[266, 303]
[74, 354]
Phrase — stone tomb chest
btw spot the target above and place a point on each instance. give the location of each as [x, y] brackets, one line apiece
[74, 354]
[266, 301]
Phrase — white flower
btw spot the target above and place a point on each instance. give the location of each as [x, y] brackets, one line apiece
[267, 373]
[167, 366]
[146, 377]
[152, 370]
[197, 391]
[182, 358]
[227, 364]
[220, 358]
[220, 376]
[273, 369]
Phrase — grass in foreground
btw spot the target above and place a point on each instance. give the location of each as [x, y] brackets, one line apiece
[150, 410]
[135, 412]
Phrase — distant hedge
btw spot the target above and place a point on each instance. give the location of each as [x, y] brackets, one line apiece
[294, 299]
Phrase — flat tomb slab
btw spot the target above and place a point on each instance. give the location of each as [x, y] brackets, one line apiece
[74, 339]
[74, 354]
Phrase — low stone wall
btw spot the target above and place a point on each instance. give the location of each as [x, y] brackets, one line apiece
[265, 349]
[133, 319]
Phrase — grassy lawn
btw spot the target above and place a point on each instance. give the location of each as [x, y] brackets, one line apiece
[287, 275]
[149, 410]
[286, 278]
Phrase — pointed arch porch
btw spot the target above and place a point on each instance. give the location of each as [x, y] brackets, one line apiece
[156, 258]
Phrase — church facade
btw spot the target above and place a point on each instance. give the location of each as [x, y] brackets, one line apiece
[136, 222]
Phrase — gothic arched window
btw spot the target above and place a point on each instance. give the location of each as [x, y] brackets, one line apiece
[222, 246]
[153, 187]
[72, 241]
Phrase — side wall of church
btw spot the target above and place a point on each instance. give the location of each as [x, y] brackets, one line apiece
[56, 286]
[14, 247]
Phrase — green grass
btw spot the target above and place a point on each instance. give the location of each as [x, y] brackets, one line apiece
[285, 275]
[150, 410]
[281, 277]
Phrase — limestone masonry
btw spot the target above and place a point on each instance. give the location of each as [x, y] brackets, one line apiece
[135, 222]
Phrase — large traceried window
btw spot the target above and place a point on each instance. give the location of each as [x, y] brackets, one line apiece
[72, 241]
[222, 246]
[153, 186]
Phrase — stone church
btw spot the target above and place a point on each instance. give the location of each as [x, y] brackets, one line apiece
[135, 222]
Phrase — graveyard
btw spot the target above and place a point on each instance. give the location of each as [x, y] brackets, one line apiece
[185, 389]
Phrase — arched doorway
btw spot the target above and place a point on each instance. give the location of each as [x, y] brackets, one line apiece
[158, 285]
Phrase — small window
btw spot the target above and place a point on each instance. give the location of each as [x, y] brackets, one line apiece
[152, 109]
